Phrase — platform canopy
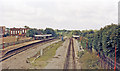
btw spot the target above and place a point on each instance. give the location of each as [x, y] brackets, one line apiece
[47, 35]
[75, 36]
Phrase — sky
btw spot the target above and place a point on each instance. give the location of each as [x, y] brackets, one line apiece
[58, 14]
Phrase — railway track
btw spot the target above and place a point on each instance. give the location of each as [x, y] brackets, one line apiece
[21, 49]
[70, 57]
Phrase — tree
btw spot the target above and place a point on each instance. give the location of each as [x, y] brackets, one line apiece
[27, 27]
[50, 31]
[104, 40]
[31, 33]
[76, 32]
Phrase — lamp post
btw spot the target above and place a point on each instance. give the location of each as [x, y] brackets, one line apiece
[3, 36]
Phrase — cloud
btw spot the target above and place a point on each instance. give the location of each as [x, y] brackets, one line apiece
[61, 14]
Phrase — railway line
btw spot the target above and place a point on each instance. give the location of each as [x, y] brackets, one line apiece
[70, 62]
[23, 48]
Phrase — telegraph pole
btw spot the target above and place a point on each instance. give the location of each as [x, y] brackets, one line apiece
[115, 58]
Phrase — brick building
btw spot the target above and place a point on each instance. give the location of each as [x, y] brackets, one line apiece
[18, 31]
[2, 31]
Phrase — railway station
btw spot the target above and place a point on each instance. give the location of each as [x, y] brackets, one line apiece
[60, 35]
[14, 41]
[42, 36]
[18, 31]
[76, 36]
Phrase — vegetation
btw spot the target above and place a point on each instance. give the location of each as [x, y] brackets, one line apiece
[55, 33]
[50, 31]
[50, 51]
[103, 40]
[31, 32]
[76, 32]
[88, 60]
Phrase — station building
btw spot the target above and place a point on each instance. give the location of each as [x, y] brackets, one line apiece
[42, 36]
[18, 31]
[76, 36]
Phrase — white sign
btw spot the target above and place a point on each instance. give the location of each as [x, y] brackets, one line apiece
[16, 36]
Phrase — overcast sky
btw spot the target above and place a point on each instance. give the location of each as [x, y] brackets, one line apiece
[59, 14]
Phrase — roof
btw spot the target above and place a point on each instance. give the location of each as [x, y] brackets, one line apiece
[43, 35]
[18, 28]
[76, 36]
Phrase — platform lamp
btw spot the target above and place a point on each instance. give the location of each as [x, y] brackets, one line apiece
[3, 36]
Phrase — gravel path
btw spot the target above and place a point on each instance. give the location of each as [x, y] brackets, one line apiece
[19, 61]
[77, 49]
[57, 62]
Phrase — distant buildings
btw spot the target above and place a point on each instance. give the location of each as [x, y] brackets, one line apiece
[2, 31]
[18, 31]
[12, 31]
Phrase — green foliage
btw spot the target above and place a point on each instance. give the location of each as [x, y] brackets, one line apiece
[31, 33]
[27, 27]
[104, 40]
[88, 60]
[76, 32]
[48, 53]
[50, 31]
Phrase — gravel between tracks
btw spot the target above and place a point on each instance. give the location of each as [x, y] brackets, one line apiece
[77, 49]
[19, 61]
[57, 62]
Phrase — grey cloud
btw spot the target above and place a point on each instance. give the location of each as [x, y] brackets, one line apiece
[61, 14]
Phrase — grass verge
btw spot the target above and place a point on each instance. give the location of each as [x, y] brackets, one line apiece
[50, 51]
[88, 60]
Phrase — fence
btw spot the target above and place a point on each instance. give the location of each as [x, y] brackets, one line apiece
[108, 63]
[105, 62]
[13, 43]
